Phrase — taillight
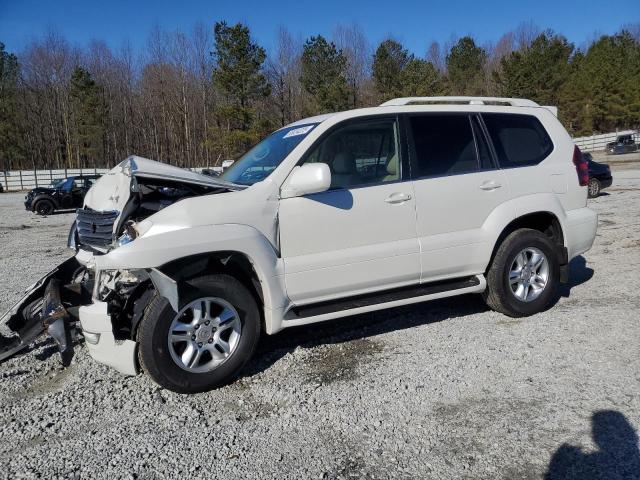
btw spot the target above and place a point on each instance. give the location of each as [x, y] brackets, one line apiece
[582, 167]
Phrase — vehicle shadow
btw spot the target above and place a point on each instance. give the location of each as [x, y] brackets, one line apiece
[579, 273]
[273, 347]
[617, 456]
[356, 327]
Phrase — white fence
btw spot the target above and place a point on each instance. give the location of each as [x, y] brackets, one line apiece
[18, 180]
[599, 142]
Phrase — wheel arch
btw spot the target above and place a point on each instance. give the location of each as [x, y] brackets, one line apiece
[239, 250]
[544, 221]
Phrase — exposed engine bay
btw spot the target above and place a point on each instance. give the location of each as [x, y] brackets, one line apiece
[131, 192]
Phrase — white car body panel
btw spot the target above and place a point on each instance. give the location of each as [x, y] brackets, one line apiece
[450, 222]
[332, 245]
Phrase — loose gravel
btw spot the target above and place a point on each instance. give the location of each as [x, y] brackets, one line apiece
[445, 389]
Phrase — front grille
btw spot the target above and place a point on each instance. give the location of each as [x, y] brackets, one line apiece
[95, 229]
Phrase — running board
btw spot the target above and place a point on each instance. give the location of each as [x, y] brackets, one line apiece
[382, 299]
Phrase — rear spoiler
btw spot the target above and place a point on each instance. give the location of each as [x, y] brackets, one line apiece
[553, 110]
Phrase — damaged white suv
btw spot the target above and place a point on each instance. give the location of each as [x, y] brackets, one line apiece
[179, 273]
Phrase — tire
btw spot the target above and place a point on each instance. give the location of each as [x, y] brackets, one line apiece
[499, 294]
[162, 359]
[44, 207]
[593, 188]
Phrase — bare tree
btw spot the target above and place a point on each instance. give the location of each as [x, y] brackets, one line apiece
[283, 72]
[436, 56]
[356, 48]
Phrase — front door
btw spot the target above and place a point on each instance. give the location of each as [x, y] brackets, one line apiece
[360, 235]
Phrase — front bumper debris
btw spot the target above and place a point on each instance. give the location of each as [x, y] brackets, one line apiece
[50, 305]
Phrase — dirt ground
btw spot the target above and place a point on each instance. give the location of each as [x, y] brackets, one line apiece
[446, 389]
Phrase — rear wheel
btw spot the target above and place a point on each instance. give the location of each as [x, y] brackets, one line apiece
[594, 187]
[206, 343]
[44, 207]
[524, 275]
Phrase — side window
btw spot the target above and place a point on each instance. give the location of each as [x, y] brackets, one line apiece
[360, 153]
[519, 140]
[77, 183]
[444, 145]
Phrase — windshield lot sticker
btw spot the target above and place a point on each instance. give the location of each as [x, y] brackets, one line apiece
[298, 131]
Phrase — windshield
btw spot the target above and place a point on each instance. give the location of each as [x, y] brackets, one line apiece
[258, 163]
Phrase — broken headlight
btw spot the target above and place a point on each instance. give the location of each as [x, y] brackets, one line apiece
[118, 283]
[132, 231]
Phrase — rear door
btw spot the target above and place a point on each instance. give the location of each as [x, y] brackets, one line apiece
[457, 186]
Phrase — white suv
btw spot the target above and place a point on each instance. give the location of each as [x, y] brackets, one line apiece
[420, 198]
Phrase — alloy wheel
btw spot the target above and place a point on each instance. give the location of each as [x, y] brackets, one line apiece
[204, 334]
[529, 274]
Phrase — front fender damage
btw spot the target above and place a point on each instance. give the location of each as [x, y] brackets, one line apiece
[50, 305]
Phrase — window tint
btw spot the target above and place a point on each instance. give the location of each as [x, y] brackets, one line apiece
[519, 140]
[360, 153]
[444, 145]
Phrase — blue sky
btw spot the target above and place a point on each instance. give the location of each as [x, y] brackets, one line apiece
[416, 23]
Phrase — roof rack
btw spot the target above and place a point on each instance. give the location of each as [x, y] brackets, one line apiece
[513, 102]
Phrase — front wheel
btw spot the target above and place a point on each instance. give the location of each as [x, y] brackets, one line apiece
[207, 342]
[524, 274]
[44, 207]
[593, 188]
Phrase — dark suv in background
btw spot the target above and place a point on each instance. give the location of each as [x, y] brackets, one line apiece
[623, 144]
[63, 194]
[599, 176]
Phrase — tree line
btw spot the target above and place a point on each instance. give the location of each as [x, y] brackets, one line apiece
[197, 98]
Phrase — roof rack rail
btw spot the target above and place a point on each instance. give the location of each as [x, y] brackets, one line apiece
[513, 102]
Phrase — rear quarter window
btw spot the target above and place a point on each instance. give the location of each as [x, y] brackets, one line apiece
[519, 140]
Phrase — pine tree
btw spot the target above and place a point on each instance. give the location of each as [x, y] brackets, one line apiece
[537, 72]
[323, 75]
[88, 113]
[420, 78]
[389, 61]
[465, 68]
[238, 74]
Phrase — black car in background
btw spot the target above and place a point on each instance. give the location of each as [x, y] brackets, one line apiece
[599, 176]
[623, 144]
[63, 194]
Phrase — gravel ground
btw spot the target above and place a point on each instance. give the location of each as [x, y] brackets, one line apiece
[445, 389]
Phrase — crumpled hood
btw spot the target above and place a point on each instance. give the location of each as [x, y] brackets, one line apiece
[111, 191]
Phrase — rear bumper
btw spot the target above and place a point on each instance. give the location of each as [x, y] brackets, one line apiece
[101, 343]
[580, 231]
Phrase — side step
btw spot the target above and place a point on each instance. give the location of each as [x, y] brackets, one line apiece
[382, 297]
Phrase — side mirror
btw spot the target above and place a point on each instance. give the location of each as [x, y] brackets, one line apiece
[309, 178]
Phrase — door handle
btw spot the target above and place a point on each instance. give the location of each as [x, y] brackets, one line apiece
[490, 185]
[398, 197]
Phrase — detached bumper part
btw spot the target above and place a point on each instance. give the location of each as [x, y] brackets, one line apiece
[41, 309]
[101, 343]
[56, 320]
